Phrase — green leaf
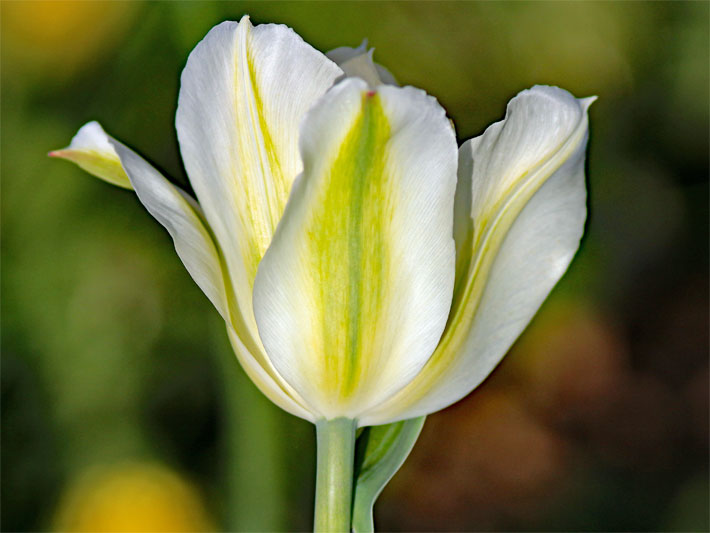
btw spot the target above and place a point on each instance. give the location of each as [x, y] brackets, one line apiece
[379, 453]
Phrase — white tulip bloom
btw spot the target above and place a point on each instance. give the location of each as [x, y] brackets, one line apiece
[341, 197]
[366, 267]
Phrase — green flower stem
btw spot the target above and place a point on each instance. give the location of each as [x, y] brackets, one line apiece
[334, 477]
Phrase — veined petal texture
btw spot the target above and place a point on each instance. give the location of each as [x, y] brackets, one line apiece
[520, 212]
[354, 291]
[243, 94]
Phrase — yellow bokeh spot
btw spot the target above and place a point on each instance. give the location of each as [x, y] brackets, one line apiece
[135, 497]
[57, 37]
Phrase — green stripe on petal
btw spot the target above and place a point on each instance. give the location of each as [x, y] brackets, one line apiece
[353, 293]
[243, 94]
[348, 229]
[527, 208]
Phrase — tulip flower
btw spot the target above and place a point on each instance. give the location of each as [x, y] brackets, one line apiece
[369, 271]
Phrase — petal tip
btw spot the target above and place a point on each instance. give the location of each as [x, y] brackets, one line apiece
[588, 101]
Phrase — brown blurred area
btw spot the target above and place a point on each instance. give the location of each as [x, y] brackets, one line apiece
[567, 404]
[122, 405]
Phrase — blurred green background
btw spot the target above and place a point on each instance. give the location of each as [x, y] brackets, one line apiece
[123, 408]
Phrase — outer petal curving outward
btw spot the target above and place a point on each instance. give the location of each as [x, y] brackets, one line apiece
[91, 150]
[182, 217]
[528, 206]
[354, 291]
[172, 207]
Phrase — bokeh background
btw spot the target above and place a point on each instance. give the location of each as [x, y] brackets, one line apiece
[123, 407]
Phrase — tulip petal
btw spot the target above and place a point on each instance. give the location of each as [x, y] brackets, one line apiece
[359, 63]
[345, 53]
[101, 155]
[528, 207]
[264, 379]
[354, 291]
[173, 208]
[91, 151]
[170, 206]
[183, 219]
[243, 93]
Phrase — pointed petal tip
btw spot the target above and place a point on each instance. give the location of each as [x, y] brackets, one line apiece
[64, 153]
[588, 101]
[67, 153]
[553, 89]
[92, 149]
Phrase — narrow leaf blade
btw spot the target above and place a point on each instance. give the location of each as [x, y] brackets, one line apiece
[381, 451]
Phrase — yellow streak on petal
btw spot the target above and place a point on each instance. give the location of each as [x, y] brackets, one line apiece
[103, 165]
[348, 253]
[262, 186]
[487, 237]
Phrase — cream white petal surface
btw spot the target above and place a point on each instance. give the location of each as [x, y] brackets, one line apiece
[345, 53]
[359, 62]
[91, 150]
[101, 155]
[264, 381]
[354, 291]
[528, 202]
[243, 94]
[362, 67]
[463, 223]
[170, 206]
[181, 215]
